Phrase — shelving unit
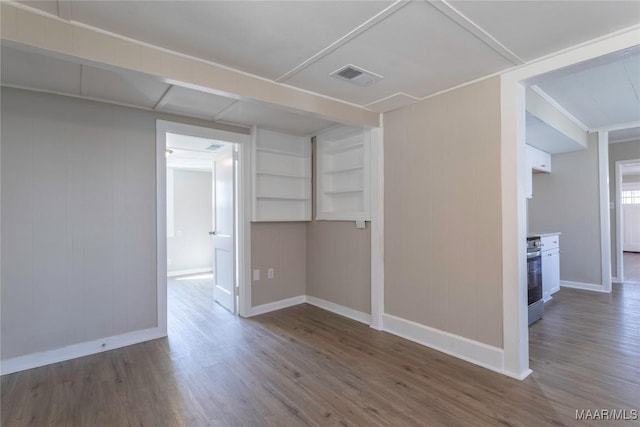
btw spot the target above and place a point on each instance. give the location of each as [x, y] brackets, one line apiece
[281, 172]
[342, 175]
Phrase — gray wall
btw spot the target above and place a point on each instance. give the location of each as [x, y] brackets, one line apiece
[191, 246]
[339, 261]
[281, 246]
[567, 200]
[78, 220]
[443, 214]
[618, 151]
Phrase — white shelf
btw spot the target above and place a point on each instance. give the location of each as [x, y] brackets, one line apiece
[337, 171]
[342, 174]
[354, 190]
[283, 198]
[343, 148]
[280, 152]
[281, 172]
[282, 175]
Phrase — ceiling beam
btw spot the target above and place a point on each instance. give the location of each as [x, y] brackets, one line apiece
[64, 9]
[163, 99]
[559, 107]
[224, 110]
[467, 24]
[393, 8]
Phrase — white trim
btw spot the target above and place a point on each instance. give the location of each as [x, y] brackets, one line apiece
[614, 279]
[276, 305]
[605, 221]
[244, 232]
[176, 273]
[618, 126]
[478, 32]
[339, 309]
[581, 285]
[34, 360]
[377, 228]
[475, 352]
[619, 254]
[619, 231]
[161, 225]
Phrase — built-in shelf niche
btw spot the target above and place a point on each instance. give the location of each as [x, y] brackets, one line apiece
[342, 174]
[281, 177]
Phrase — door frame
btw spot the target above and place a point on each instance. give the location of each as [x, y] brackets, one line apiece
[243, 237]
[619, 237]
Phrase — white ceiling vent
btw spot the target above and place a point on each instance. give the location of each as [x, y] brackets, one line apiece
[214, 147]
[356, 75]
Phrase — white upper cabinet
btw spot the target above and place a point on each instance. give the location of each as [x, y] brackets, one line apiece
[343, 174]
[281, 173]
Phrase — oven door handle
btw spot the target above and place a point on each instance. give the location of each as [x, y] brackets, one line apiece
[534, 254]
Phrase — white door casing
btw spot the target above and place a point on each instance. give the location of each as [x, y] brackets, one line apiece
[224, 268]
[630, 221]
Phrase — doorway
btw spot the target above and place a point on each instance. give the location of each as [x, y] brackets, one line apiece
[628, 220]
[202, 188]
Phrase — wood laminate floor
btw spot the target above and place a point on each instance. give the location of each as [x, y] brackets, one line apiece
[303, 366]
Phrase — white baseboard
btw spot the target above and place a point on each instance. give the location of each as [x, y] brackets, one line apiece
[475, 352]
[554, 290]
[190, 271]
[580, 285]
[48, 357]
[277, 305]
[339, 309]
[615, 279]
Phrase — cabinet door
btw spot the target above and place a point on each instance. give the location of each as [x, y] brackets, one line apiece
[547, 273]
[554, 260]
[550, 273]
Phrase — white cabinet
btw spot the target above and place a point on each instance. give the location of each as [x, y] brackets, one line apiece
[550, 265]
[342, 174]
[535, 161]
[281, 173]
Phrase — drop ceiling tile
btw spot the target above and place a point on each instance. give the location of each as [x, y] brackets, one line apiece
[532, 29]
[266, 38]
[192, 102]
[599, 93]
[418, 51]
[122, 87]
[269, 117]
[36, 71]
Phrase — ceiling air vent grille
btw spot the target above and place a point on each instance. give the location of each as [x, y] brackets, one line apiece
[356, 75]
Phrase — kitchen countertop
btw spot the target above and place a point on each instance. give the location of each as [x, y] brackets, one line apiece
[556, 233]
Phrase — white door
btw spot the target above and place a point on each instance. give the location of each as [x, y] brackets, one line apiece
[224, 227]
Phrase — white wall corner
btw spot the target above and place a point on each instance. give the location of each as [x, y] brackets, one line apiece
[35, 360]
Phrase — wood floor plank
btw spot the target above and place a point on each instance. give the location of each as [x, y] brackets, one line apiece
[303, 366]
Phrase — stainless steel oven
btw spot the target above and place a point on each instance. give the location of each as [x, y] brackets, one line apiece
[534, 279]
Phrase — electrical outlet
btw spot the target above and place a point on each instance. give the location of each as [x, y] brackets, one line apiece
[256, 274]
[270, 273]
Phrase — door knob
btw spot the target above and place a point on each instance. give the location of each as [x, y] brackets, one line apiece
[212, 233]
